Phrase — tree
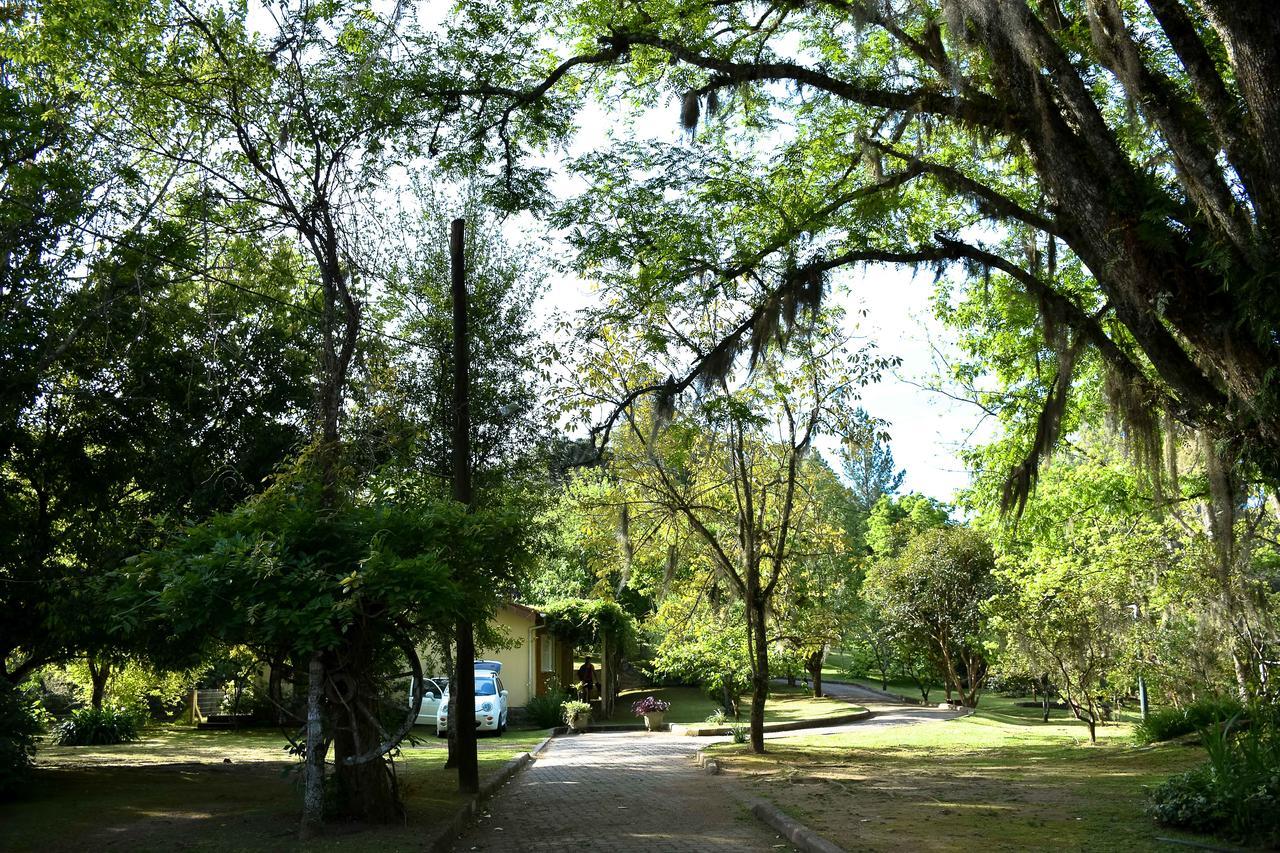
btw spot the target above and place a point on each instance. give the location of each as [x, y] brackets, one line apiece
[415, 395]
[1109, 577]
[893, 522]
[731, 467]
[291, 575]
[299, 130]
[933, 596]
[126, 339]
[868, 466]
[884, 649]
[700, 636]
[813, 603]
[1120, 155]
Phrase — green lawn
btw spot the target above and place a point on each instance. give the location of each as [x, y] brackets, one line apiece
[691, 705]
[998, 780]
[174, 790]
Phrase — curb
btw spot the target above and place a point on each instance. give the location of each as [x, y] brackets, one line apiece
[543, 743]
[793, 830]
[896, 698]
[798, 725]
[799, 835]
[466, 813]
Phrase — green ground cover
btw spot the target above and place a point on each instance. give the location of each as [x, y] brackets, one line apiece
[175, 789]
[998, 780]
[691, 705]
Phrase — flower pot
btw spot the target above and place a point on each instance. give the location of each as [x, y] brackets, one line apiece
[653, 720]
[578, 722]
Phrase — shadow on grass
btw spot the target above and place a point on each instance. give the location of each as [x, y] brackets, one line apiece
[927, 796]
[174, 790]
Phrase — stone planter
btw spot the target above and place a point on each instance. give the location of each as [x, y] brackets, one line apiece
[579, 722]
[653, 720]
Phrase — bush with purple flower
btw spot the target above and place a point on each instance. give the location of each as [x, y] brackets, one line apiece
[650, 705]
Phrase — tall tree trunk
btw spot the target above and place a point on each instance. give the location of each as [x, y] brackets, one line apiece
[275, 691]
[463, 720]
[464, 640]
[451, 672]
[759, 659]
[604, 678]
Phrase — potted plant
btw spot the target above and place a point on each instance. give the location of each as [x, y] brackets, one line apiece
[577, 715]
[653, 710]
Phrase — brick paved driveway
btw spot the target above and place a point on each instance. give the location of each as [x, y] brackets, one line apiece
[621, 791]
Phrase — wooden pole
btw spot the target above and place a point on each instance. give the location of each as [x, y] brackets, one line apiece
[463, 688]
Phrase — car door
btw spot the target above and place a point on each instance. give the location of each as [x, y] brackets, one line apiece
[432, 692]
[502, 702]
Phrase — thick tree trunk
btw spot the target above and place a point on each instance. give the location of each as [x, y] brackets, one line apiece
[814, 666]
[99, 675]
[730, 701]
[363, 779]
[313, 772]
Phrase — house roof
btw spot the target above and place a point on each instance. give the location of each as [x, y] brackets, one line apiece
[531, 611]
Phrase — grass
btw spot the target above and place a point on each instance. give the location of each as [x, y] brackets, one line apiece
[174, 789]
[999, 780]
[691, 705]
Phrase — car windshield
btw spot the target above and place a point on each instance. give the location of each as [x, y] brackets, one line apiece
[486, 687]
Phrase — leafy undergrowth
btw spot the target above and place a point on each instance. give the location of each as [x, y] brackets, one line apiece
[998, 780]
[173, 790]
[691, 705]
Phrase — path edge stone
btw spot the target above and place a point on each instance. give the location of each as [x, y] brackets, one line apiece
[466, 813]
[784, 824]
[686, 730]
[791, 829]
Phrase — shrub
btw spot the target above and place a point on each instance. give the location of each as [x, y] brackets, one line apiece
[1169, 723]
[94, 727]
[19, 728]
[650, 705]
[1237, 793]
[739, 732]
[544, 711]
[717, 717]
[575, 709]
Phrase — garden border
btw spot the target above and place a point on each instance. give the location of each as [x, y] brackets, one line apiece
[466, 813]
[786, 826]
[696, 730]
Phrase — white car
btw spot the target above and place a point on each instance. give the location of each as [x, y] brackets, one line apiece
[433, 690]
[491, 701]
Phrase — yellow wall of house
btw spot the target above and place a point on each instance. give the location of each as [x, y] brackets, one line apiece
[517, 663]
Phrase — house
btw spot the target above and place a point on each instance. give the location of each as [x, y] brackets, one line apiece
[538, 659]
